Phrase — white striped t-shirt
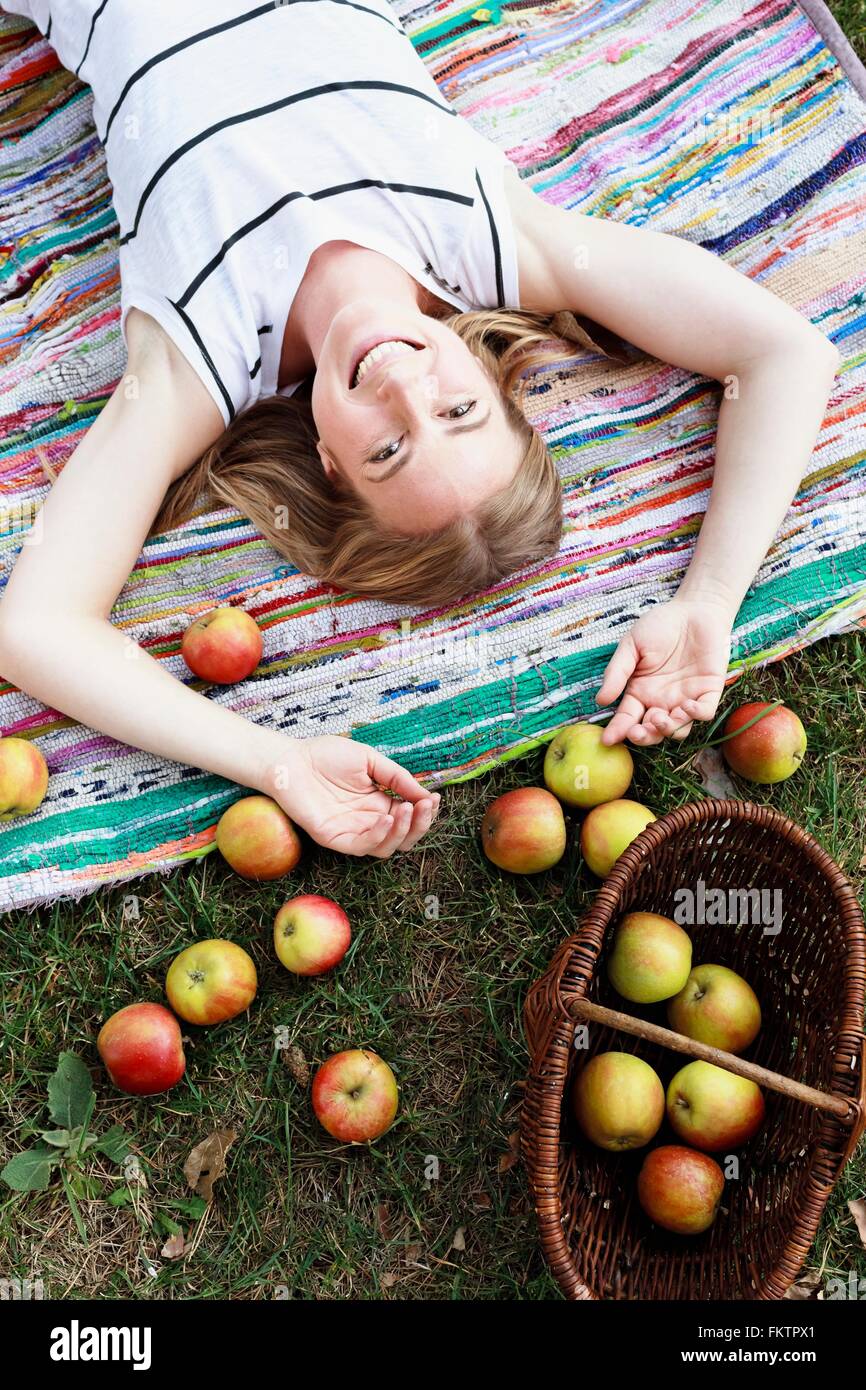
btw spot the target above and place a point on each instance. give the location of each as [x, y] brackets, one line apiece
[241, 136]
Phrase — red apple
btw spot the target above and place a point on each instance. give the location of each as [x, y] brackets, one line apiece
[770, 749]
[355, 1096]
[211, 981]
[608, 830]
[680, 1189]
[618, 1100]
[716, 1006]
[257, 838]
[311, 934]
[524, 831]
[712, 1108]
[23, 777]
[223, 645]
[142, 1050]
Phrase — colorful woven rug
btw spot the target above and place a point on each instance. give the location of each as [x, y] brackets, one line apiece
[741, 126]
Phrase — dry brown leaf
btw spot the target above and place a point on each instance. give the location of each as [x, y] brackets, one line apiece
[857, 1209]
[483, 1201]
[207, 1162]
[174, 1247]
[458, 1240]
[710, 766]
[508, 1160]
[412, 1253]
[383, 1219]
[808, 1287]
[295, 1061]
[387, 1281]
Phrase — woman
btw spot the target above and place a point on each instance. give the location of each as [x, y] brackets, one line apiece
[332, 286]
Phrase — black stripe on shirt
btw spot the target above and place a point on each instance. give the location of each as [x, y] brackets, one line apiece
[220, 29]
[265, 328]
[96, 15]
[255, 368]
[287, 198]
[497, 252]
[206, 355]
[325, 89]
[48, 30]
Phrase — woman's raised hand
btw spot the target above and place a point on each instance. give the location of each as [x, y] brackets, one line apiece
[670, 670]
[337, 789]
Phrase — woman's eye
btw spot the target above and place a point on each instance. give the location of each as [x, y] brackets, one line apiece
[464, 409]
[455, 413]
[388, 452]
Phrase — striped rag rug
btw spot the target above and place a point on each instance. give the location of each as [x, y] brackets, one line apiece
[740, 126]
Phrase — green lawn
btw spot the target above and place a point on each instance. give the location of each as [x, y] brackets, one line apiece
[439, 996]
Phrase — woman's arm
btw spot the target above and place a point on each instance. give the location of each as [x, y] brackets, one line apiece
[57, 643]
[686, 306]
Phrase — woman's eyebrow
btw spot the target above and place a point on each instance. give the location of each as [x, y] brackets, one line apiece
[456, 428]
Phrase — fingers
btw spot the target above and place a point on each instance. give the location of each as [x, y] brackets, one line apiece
[391, 775]
[683, 723]
[628, 715]
[617, 672]
[704, 707]
[410, 821]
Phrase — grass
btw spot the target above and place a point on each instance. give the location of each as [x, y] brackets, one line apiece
[439, 996]
[444, 950]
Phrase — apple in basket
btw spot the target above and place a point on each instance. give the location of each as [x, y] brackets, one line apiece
[718, 1007]
[650, 958]
[256, 837]
[712, 1108]
[223, 645]
[142, 1050]
[523, 831]
[680, 1189]
[770, 749]
[618, 1100]
[23, 777]
[311, 934]
[583, 771]
[608, 830]
[211, 981]
[355, 1096]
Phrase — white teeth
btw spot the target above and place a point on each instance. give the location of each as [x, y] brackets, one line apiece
[381, 350]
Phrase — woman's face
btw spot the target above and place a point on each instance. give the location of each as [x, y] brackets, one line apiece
[422, 435]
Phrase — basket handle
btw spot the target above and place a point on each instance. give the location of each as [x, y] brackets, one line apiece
[859, 1124]
[850, 1112]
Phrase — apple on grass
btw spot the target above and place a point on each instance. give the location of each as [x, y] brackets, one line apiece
[583, 771]
[680, 1189]
[618, 1100]
[713, 1109]
[355, 1096]
[523, 831]
[256, 837]
[311, 934]
[211, 981]
[23, 777]
[142, 1050]
[224, 645]
[608, 830]
[650, 958]
[718, 1007]
[771, 749]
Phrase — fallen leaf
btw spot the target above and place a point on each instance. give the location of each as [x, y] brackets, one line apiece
[483, 1201]
[710, 766]
[508, 1160]
[412, 1253]
[382, 1216]
[387, 1281]
[295, 1061]
[808, 1287]
[857, 1209]
[207, 1162]
[174, 1247]
[458, 1240]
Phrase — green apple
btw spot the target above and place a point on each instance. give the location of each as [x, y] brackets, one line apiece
[713, 1109]
[680, 1189]
[650, 958]
[583, 771]
[618, 1100]
[716, 1006]
[608, 830]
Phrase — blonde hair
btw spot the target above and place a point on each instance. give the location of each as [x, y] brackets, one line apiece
[266, 466]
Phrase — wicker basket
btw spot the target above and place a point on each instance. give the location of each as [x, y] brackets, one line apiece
[810, 981]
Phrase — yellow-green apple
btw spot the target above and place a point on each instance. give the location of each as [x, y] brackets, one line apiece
[618, 1100]
[608, 830]
[650, 958]
[712, 1108]
[141, 1049]
[718, 1007]
[524, 831]
[355, 1096]
[680, 1189]
[770, 749]
[257, 838]
[311, 934]
[583, 771]
[223, 645]
[211, 981]
[23, 777]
